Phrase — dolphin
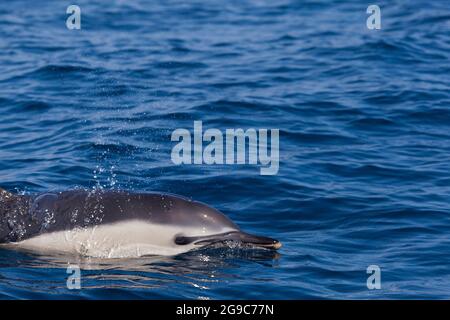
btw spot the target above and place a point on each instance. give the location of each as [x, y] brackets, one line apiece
[115, 224]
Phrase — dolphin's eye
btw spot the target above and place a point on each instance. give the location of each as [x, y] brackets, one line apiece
[182, 240]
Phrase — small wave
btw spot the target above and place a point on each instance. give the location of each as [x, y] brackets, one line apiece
[33, 106]
[169, 65]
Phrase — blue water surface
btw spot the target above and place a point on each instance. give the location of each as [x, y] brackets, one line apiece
[364, 123]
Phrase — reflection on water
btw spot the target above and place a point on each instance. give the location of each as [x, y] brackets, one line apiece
[198, 269]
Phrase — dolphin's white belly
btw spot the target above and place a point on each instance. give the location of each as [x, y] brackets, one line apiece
[119, 240]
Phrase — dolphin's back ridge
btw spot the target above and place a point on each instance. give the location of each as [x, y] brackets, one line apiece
[83, 208]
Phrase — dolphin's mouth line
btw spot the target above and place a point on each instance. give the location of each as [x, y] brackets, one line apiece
[230, 237]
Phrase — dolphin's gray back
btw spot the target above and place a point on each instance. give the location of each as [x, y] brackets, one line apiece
[80, 208]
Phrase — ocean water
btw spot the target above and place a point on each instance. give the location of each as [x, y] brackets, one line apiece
[364, 121]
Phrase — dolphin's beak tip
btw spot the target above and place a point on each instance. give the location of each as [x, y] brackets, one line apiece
[259, 241]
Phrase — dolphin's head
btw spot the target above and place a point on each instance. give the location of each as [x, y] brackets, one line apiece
[210, 227]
